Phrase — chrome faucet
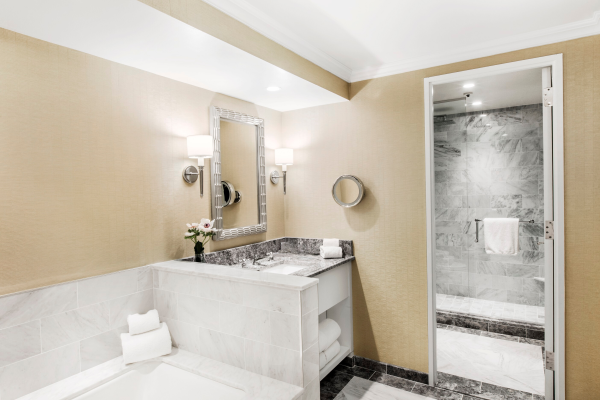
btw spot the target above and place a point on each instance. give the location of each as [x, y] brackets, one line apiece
[270, 256]
[244, 261]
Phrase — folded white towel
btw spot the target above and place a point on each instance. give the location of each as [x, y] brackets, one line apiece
[147, 345]
[143, 323]
[330, 252]
[331, 242]
[501, 236]
[329, 332]
[329, 354]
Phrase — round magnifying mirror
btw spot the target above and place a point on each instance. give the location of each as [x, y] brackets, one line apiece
[348, 191]
[230, 195]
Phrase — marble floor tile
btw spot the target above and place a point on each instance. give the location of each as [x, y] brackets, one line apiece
[355, 371]
[362, 389]
[335, 381]
[393, 381]
[498, 362]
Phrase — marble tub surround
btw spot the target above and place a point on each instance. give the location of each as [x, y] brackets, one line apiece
[255, 386]
[229, 315]
[51, 333]
[489, 167]
[263, 323]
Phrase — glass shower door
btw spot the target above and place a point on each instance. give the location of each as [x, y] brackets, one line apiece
[451, 223]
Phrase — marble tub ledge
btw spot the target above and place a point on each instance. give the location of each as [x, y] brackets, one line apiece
[255, 386]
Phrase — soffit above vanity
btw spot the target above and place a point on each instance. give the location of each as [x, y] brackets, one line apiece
[132, 33]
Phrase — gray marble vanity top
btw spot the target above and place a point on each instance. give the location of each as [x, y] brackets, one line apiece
[315, 265]
[292, 251]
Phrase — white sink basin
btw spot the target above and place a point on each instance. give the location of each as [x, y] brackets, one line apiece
[284, 269]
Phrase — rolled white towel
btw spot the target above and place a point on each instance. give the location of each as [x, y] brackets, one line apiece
[329, 354]
[143, 323]
[147, 345]
[329, 332]
[330, 252]
[331, 242]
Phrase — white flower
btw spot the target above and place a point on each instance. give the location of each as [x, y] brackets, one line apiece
[195, 225]
[189, 234]
[188, 225]
[206, 225]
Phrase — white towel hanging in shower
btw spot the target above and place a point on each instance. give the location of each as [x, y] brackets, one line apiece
[501, 236]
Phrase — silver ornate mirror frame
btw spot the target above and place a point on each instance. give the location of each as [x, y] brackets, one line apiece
[359, 184]
[216, 115]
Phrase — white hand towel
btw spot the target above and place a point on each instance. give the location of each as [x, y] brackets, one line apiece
[330, 252]
[501, 236]
[329, 332]
[331, 242]
[147, 345]
[143, 323]
[329, 354]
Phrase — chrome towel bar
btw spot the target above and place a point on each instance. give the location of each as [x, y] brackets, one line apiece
[477, 221]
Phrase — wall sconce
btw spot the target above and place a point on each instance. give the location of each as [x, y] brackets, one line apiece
[200, 147]
[284, 157]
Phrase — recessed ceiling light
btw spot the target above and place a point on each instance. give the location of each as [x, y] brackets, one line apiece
[468, 85]
[476, 103]
[273, 88]
[505, 134]
[488, 124]
[483, 115]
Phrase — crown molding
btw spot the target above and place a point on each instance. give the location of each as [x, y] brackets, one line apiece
[561, 33]
[263, 24]
[247, 14]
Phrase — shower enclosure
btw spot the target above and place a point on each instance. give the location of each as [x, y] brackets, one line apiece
[489, 164]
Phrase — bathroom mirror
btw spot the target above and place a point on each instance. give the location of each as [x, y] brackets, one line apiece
[348, 191]
[237, 174]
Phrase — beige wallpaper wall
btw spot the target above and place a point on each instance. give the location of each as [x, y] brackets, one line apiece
[379, 137]
[91, 154]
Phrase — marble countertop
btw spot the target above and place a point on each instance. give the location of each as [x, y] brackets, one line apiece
[237, 273]
[256, 386]
[314, 264]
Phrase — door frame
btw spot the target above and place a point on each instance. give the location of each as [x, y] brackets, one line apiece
[556, 62]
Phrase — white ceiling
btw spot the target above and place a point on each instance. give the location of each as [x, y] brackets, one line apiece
[132, 33]
[363, 39]
[498, 91]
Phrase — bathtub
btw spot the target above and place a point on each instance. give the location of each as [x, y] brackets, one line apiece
[160, 381]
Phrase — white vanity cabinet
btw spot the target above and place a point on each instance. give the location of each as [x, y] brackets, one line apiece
[335, 302]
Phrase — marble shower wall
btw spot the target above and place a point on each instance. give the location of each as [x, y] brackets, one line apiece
[489, 167]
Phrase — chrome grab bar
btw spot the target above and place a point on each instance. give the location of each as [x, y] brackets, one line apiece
[477, 221]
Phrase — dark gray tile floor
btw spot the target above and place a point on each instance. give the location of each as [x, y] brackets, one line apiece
[449, 387]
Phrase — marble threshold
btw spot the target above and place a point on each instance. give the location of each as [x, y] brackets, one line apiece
[255, 386]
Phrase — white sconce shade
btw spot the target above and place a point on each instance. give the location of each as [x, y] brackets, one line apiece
[284, 156]
[200, 146]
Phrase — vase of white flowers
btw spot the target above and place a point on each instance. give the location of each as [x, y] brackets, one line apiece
[205, 230]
